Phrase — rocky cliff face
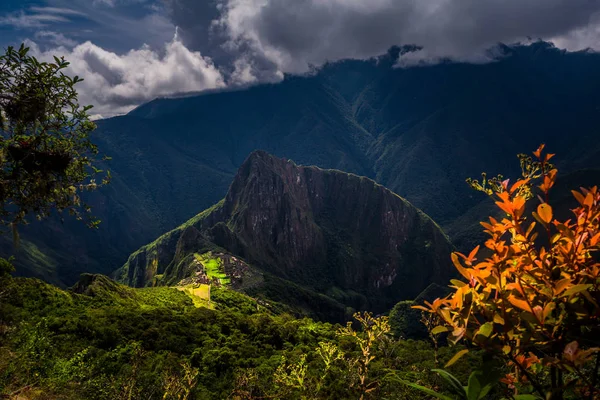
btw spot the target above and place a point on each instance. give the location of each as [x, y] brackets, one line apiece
[334, 233]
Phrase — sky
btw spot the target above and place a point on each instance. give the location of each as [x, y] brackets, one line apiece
[132, 51]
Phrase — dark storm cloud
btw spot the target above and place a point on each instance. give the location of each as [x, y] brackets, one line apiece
[128, 51]
[275, 36]
[194, 20]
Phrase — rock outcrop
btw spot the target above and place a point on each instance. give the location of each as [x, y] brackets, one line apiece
[334, 233]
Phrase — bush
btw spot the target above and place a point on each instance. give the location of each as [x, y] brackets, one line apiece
[534, 300]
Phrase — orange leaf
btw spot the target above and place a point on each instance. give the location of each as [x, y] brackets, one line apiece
[578, 196]
[547, 310]
[506, 207]
[473, 254]
[518, 184]
[595, 239]
[421, 308]
[519, 205]
[561, 285]
[589, 200]
[522, 304]
[463, 271]
[545, 212]
[514, 286]
[504, 196]
[530, 229]
[538, 152]
[537, 217]
[486, 226]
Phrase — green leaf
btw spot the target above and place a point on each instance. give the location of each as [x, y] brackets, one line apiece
[486, 389]
[490, 378]
[439, 329]
[457, 387]
[474, 387]
[481, 383]
[456, 357]
[457, 283]
[486, 330]
[576, 289]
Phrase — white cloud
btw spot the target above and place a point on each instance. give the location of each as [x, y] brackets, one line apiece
[272, 37]
[56, 10]
[115, 83]
[585, 37]
[55, 38]
[39, 17]
[22, 20]
[110, 3]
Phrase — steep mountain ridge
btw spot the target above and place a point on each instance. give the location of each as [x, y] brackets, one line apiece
[325, 230]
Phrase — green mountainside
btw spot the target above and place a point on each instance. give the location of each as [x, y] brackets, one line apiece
[102, 340]
[418, 131]
[322, 241]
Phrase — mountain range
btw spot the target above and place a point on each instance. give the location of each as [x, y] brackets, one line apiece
[418, 131]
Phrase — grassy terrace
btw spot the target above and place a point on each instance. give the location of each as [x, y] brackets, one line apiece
[214, 267]
[200, 295]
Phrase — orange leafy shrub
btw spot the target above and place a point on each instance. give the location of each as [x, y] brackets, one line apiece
[534, 300]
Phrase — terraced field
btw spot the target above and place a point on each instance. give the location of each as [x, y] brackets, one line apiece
[200, 294]
[213, 267]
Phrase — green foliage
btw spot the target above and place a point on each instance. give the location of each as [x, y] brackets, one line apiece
[46, 156]
[102, 340]
[479, 386]
[6, 268]
[111, 341]
[406, 321]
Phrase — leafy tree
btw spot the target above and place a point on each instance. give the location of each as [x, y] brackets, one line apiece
[534, 300]
[6, 268]
[351, 369]
[46, 156]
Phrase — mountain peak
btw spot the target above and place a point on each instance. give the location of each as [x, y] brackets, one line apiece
[257, 155]
[261, 159]
[336, 234]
